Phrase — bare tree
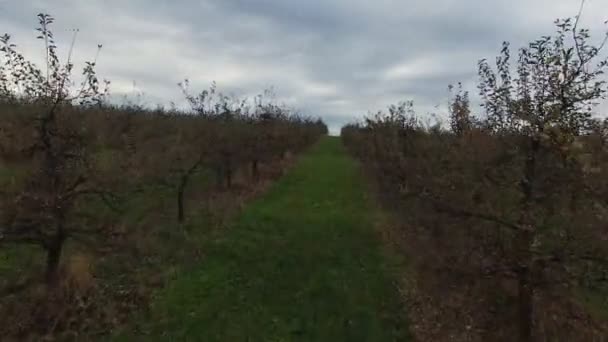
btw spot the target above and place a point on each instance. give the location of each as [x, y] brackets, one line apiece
[57, 160]
[548, 104]
[460, 112]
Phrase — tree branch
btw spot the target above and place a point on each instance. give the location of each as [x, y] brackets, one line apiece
[446, 208]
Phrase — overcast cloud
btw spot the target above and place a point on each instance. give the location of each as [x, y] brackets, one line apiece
[337, 59]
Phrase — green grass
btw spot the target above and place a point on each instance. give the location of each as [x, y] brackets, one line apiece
[303, 263]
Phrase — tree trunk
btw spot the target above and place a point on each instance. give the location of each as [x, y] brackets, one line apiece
[181, 189]
[227, 169]
[53, 259]
[180, 199]
[219, 175]
[229, 175]
[255, 172]
[524, 242]
[525, 274]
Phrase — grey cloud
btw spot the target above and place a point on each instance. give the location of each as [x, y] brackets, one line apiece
[338, 59]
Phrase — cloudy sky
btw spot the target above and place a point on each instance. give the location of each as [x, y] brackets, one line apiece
[337, 59]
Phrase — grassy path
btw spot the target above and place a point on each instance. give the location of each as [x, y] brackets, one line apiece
[303, 263]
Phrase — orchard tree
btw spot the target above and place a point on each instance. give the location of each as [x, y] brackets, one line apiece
[460, 111]
[44, 143]
[543, 110]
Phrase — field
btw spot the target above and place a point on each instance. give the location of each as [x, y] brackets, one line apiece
[301, 263]
[239, 219]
